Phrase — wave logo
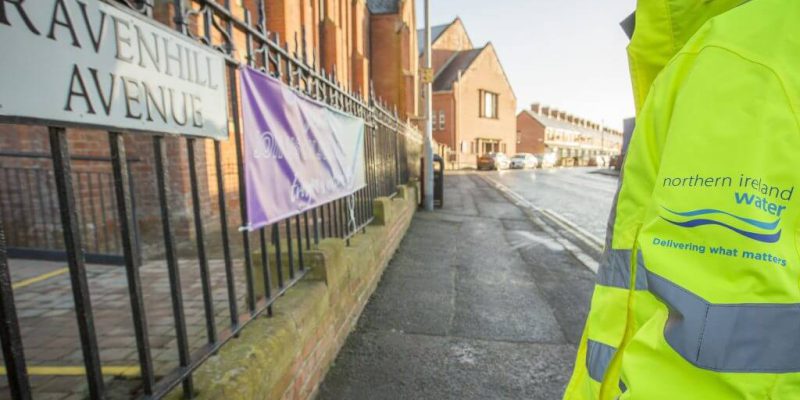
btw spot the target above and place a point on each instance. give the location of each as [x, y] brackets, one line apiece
[757, 230]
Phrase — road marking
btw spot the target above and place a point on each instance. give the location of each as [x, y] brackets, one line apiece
[536, 213]
[590, 239]
[36, 279]
[131, 371]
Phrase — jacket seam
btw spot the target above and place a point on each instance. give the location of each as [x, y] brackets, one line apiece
[745, 58]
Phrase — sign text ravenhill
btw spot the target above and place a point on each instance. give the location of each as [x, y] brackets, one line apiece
[87, 63]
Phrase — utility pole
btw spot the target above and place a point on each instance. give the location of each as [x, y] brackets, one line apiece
[427, 201]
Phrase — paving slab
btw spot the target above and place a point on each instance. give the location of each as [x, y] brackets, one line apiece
[477, 303]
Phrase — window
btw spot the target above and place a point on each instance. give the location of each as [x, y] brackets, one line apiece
[488, 106]
[441, 120]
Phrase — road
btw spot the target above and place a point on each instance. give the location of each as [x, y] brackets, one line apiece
[580, 195]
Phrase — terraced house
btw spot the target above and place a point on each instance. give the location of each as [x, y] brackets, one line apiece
[474, 104]
[574, 140]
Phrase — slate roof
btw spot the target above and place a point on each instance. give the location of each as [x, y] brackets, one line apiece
[556, 123]
[383, 6]
[436, 31]
[460, 62]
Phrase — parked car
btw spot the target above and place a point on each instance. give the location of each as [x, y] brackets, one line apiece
[493, 161]
[547, 160]
[524, 161]
[599, 161]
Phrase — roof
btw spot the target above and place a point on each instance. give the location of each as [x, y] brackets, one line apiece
[436, 31]
[555, 123]
[383, 6]
[459, 62]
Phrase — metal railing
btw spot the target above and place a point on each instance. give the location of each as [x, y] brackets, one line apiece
[392, 150]
[30, 205]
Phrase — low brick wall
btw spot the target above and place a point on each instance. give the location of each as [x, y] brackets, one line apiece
[287, 356]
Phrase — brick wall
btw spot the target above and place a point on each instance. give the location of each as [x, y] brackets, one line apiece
[531, 134]
[453, 39]
[395, 69]
[445, 102]
[287, 355]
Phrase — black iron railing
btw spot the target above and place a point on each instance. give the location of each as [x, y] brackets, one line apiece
[392, 153]
[30, 205]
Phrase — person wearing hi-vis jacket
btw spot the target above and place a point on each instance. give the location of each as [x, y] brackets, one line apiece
[698, 292]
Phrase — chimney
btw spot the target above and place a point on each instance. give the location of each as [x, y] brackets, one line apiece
[546, 111]
[562, 115]
[571, 119]
[536, 107]
[554, 113]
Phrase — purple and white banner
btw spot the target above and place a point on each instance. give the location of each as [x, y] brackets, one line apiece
[298, 153]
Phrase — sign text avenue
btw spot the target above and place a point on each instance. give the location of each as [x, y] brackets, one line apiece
[88, 63]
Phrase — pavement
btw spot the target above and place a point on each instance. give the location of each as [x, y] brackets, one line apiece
[46, 313]
[481, 301]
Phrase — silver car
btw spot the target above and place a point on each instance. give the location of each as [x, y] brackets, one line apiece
[524, 161]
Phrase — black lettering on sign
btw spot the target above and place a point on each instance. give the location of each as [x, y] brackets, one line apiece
[197, 113]
[131, 89]
[149, 98]
[145, 48]
[105, 98]
[21, 11]
[66, 22]
[95, 38]
[177, 57]
[182, 108]
[121, 39]
[77, 78]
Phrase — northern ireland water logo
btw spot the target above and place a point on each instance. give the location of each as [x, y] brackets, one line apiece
[762, 231]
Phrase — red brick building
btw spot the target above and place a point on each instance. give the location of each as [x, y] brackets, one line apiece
[393, 47]
[474, 104]
[572, 139]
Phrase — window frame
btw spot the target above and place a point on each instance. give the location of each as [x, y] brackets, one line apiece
[495, 99]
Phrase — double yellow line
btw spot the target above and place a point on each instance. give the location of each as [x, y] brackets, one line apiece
[131, 371]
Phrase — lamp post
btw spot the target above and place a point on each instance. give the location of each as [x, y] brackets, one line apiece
[427, 201]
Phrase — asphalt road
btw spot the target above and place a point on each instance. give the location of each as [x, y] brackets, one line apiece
[583, 196]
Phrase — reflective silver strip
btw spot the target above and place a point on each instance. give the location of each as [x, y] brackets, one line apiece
[615, 270]
[629, 24]
[729, 337]
[598, 356]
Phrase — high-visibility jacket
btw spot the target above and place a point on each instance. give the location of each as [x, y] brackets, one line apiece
[698, 294]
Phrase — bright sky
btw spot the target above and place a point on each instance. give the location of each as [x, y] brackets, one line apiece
[569, 54]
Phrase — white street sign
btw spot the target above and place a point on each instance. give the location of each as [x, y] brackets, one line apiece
[88, 63]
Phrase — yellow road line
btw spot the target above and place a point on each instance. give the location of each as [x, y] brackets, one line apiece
[127, 371]
[36, 279]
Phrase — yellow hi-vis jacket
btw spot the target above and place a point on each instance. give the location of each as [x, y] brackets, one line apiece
[698, 294]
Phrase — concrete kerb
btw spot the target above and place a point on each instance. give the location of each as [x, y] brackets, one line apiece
[267, 360]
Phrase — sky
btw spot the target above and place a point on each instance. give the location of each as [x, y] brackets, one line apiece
[569, 54]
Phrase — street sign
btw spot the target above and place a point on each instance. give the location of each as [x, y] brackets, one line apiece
[426, 75]
[89, 63]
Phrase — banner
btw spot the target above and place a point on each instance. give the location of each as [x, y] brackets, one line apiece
[298, 153]
[92, 64]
